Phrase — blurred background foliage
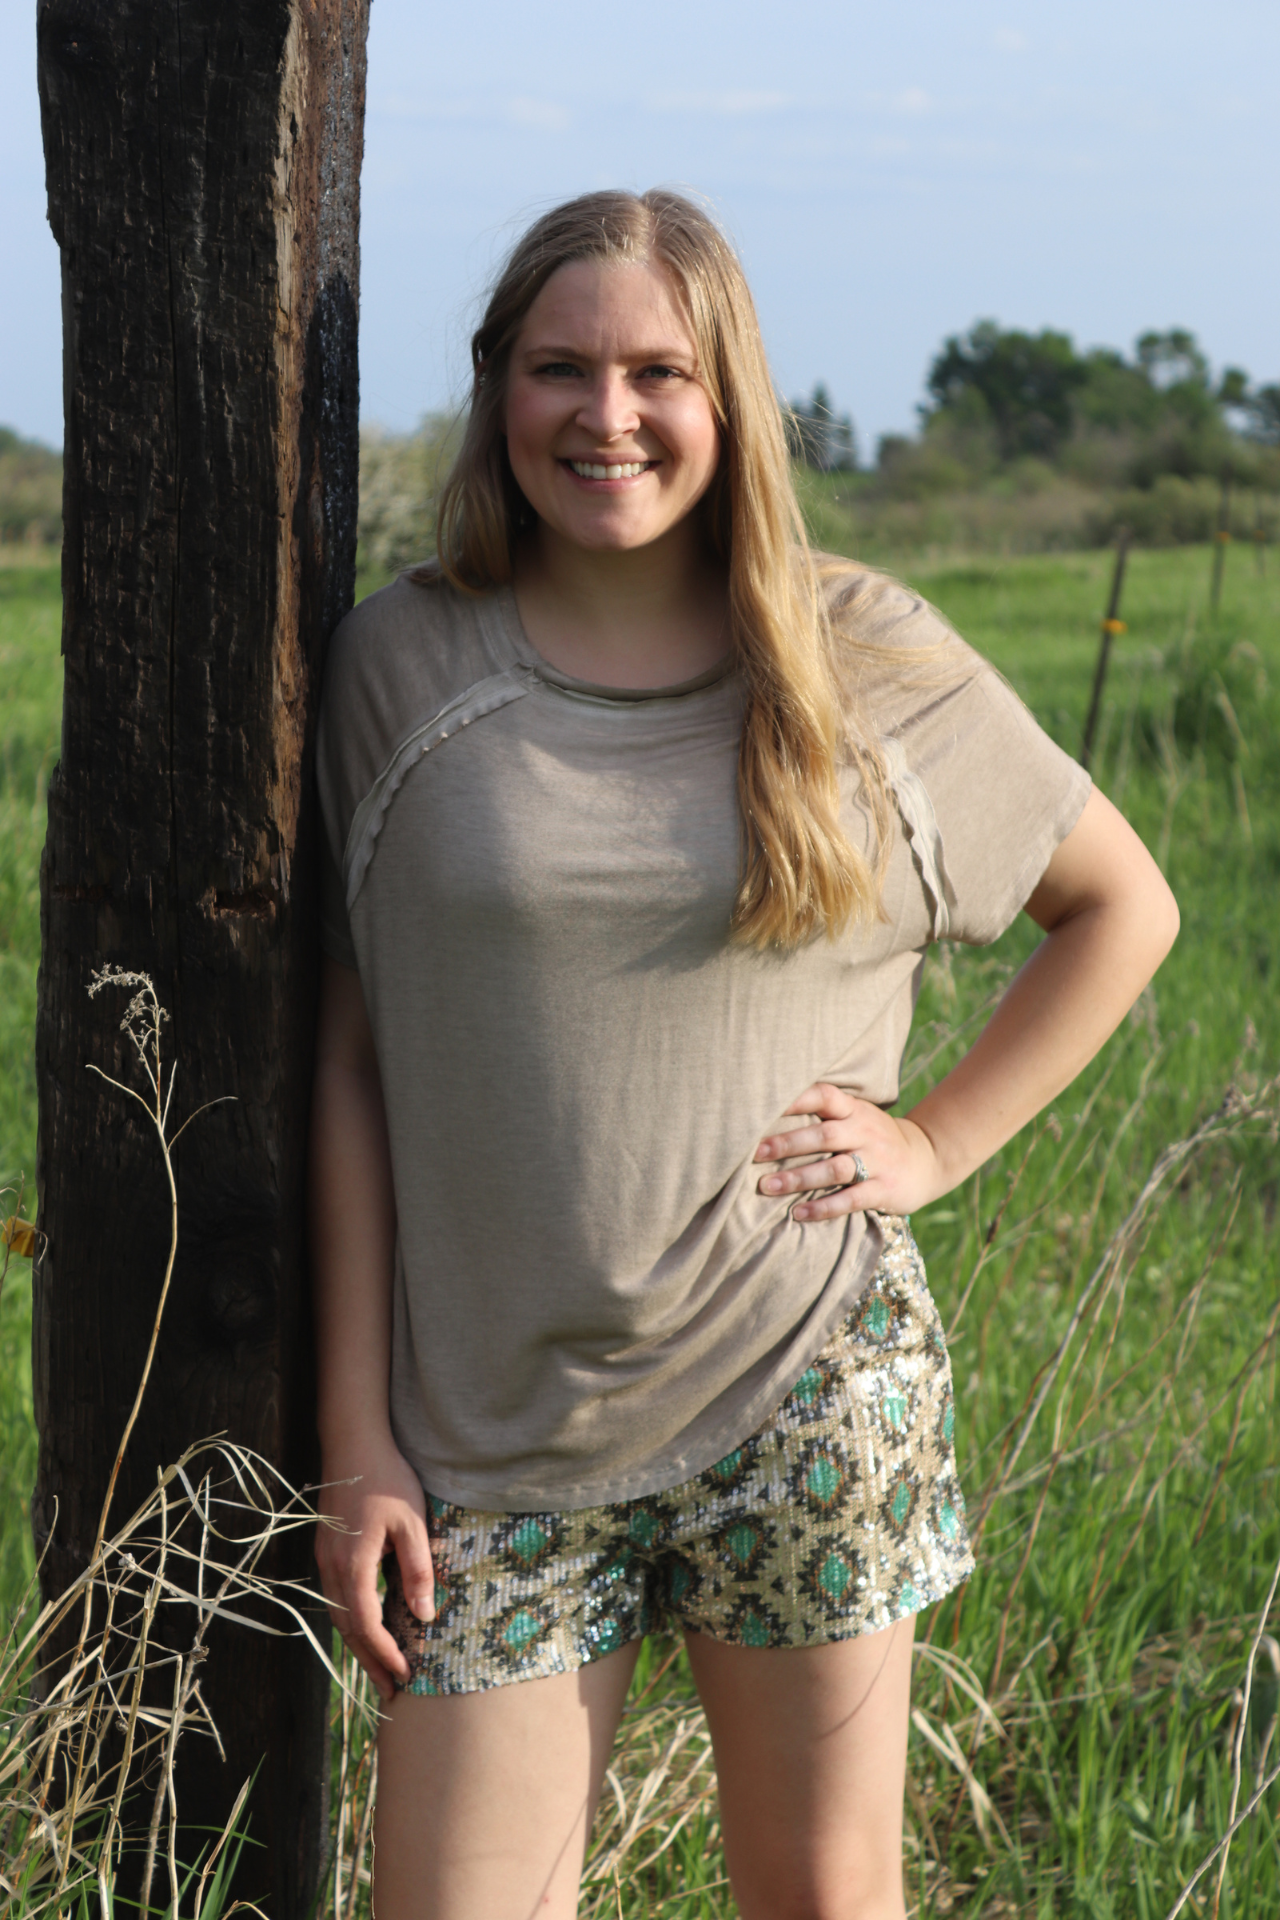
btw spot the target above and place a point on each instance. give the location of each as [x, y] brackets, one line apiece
[1025, 444]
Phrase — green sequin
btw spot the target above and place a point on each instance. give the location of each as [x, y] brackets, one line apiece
[521, 1631]
[835, 1575]
[528, 1540]
[808, 1386]
[876, 1319]
[823, 1479]
[742, 1542]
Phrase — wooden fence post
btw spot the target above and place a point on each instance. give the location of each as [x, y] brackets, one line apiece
[1112, 624]
[203, 164]
[1221, 540]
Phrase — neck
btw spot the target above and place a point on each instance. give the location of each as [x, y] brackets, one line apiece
[649, 617]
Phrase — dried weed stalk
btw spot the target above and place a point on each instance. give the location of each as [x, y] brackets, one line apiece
[78, 1733]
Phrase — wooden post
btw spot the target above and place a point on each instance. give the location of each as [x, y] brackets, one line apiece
[1112, 624]
[1220, 540]
[202, 164]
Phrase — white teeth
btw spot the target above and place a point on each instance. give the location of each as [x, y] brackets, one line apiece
[588, 470]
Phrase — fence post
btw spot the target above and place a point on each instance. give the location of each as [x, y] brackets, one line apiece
[1112, 624]
[202, 161]
[1221, 539]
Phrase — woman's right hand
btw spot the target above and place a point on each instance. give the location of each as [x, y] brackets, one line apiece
[373, 1501]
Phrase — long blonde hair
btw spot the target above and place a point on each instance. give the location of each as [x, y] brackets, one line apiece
[801, 875]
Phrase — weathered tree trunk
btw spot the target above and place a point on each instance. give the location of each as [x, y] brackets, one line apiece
[203, 163]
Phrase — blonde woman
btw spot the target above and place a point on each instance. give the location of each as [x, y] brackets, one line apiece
[640, 819]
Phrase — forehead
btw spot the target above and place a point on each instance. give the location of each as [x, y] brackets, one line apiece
[626, 305]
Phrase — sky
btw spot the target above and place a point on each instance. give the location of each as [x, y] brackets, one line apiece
[889, 175]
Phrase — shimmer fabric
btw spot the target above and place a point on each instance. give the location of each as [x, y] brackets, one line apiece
[841, 1514]
[535, 878]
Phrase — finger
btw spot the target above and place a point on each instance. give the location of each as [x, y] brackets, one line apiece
[417, 1574]
[844, 1200]
[840, 1170]
[361, 1626]
[826, 1136]
[822, 1098]
[369, 1663]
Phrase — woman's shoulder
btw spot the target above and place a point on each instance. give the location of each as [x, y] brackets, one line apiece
[895, 655]
[872, 611]
[418, 640]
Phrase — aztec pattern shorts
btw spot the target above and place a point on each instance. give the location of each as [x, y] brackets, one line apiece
[838, 1516]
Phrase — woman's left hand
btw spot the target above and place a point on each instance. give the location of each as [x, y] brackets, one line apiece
[874, 1160]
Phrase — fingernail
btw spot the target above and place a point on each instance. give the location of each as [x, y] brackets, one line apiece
[772, 1185]
[422, 1607]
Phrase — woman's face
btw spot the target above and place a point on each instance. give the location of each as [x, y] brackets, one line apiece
[611, 437]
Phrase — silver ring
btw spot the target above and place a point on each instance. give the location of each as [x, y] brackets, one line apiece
[859, 1171]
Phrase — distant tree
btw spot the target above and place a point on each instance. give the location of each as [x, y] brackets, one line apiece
[821, 437]
[1233, 388]
[1264, 411]
[1173, 359]
[30, 489]
[1024, 382]
[1115, 393]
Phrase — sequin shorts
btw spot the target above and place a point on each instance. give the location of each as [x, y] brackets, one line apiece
[839, 1515]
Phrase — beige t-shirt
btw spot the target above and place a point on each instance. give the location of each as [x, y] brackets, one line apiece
[535, 878]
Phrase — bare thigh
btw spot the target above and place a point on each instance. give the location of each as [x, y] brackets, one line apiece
[811, 1750]
[485, 1800]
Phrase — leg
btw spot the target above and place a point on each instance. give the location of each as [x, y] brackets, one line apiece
[811, 1751]
[485, 1800]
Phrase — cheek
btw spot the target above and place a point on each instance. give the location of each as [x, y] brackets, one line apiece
[530, 419]
[702, 442]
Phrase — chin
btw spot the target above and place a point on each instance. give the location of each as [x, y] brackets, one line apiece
[610, 539]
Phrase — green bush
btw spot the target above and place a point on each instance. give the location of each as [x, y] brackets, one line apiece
[30, 490]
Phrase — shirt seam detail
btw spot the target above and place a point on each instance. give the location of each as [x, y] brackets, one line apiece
[483, 697]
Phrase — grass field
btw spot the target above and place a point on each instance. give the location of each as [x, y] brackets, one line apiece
[1115, 1356]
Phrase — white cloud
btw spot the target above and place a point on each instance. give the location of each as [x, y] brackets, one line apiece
[545, 116]
[912, 100]
[721, 104]
[399, 106]
[542, 116]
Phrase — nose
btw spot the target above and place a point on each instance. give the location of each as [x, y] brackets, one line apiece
[608, 410]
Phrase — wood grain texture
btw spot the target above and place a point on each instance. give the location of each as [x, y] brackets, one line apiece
[203, 163]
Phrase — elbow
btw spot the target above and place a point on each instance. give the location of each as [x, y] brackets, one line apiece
[1162, 920]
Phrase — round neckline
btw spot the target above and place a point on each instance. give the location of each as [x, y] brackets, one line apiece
[594, 689]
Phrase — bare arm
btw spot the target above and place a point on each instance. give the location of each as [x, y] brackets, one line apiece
[1109, 920]
[353, 1230]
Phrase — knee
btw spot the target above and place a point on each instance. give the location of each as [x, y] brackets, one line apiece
[805, 1898]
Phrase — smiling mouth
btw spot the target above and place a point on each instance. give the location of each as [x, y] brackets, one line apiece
[620, 470]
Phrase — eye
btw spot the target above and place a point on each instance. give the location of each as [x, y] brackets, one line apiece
[660, 372]
[558, 369]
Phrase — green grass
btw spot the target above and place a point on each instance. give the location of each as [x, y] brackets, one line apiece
[30, 717]
[1122, 1571]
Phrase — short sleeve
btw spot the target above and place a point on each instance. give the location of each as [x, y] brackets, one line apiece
[985, 795]
[1004, 796]
[335, 928]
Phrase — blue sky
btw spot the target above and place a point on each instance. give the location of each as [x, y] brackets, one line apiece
[890, 174]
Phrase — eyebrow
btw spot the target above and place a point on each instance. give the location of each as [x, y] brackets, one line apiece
[666, 355]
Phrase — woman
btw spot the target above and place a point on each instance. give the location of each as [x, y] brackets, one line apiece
[640, 819]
